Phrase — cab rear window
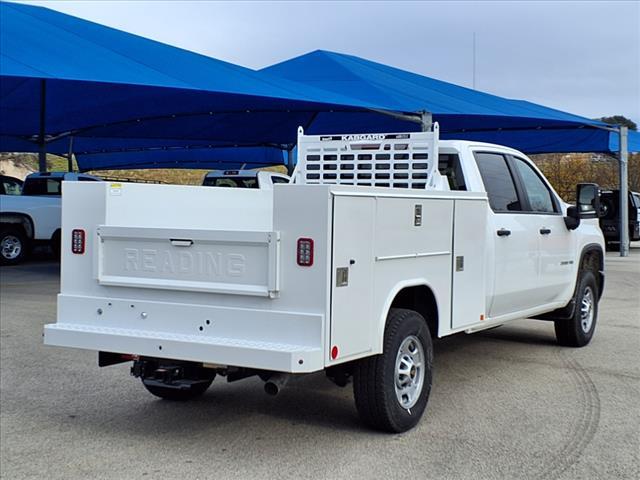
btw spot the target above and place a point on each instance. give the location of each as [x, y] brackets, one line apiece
[231, 182]
[42, 186]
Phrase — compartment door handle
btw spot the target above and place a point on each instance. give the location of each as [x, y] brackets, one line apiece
[181, 242]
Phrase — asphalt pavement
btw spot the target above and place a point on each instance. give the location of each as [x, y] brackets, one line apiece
[506, 404]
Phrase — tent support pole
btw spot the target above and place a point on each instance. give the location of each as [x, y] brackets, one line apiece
[290, 165]
[42, 150]
[70, 155]
[426, 121]
[624, 191]
[413, 118]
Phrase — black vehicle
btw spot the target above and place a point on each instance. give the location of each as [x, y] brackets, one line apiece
[609, 222]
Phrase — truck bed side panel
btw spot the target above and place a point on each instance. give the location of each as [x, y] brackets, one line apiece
[392, 249]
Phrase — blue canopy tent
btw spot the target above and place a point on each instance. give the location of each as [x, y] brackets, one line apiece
[122, 101]
[463, 113]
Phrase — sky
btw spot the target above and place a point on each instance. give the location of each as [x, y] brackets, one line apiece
[582, 57]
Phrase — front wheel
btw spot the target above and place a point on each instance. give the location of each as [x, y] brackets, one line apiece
[391, 390]
[578, 330]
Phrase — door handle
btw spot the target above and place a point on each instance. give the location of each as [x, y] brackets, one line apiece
[545, 231]
[503, 232]
[180, 242]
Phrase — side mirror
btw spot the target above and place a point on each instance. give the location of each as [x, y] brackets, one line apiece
[587, 205]
[572, 220]
[588, 200]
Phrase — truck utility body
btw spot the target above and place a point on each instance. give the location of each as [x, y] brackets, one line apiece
[324, 273]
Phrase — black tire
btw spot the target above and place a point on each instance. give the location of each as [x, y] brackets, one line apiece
[14, 245]
[56, 247]
[175, 394]
[374, 378]
[577, 331]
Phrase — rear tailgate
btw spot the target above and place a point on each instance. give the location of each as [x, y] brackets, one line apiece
[233, 262]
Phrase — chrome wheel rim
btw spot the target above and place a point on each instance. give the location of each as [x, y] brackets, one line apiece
[409, 372]
[11, 246]
[586, 310]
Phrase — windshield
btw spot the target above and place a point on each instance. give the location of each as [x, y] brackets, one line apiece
[233, 182]
[42, 186]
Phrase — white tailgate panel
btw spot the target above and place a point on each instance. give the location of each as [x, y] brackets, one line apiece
[234, 262]
[468, 272]
[353, 233]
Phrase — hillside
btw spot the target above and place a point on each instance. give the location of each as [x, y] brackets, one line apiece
[19, 165]
[564, 171]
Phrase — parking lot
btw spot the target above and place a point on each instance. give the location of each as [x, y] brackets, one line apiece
[506, 403]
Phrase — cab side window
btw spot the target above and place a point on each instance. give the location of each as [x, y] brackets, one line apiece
[538, 194]
[275, 180]
[449, 166]
[10, 186]
[498, 182]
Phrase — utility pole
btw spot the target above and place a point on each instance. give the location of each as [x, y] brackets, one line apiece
[474, 60]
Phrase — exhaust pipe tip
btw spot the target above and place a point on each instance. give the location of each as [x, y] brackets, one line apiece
[271, 389]
[275, 383]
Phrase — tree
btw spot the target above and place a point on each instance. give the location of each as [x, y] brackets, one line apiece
[620, 120]
[565, 171]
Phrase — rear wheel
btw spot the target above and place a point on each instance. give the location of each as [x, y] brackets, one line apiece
[391, 390]
[56, 247]
[174, 393]
[14, 245]
[578, 330]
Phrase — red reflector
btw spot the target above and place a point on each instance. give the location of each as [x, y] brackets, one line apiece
[77, 241]
[334, 352]
[305, 252]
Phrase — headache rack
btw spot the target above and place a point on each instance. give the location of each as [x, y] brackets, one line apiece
[398, 160]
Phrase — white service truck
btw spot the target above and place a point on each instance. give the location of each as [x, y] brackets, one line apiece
[378, 244]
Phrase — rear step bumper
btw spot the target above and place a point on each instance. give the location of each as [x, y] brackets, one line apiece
[281, 341]
[224, 351]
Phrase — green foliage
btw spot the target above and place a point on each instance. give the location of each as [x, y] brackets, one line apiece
[619, 120]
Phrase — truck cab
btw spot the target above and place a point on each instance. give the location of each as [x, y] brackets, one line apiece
[379, 244]
[530, 251]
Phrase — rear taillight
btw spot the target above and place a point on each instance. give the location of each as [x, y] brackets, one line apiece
[305, 252]
[77, 241]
